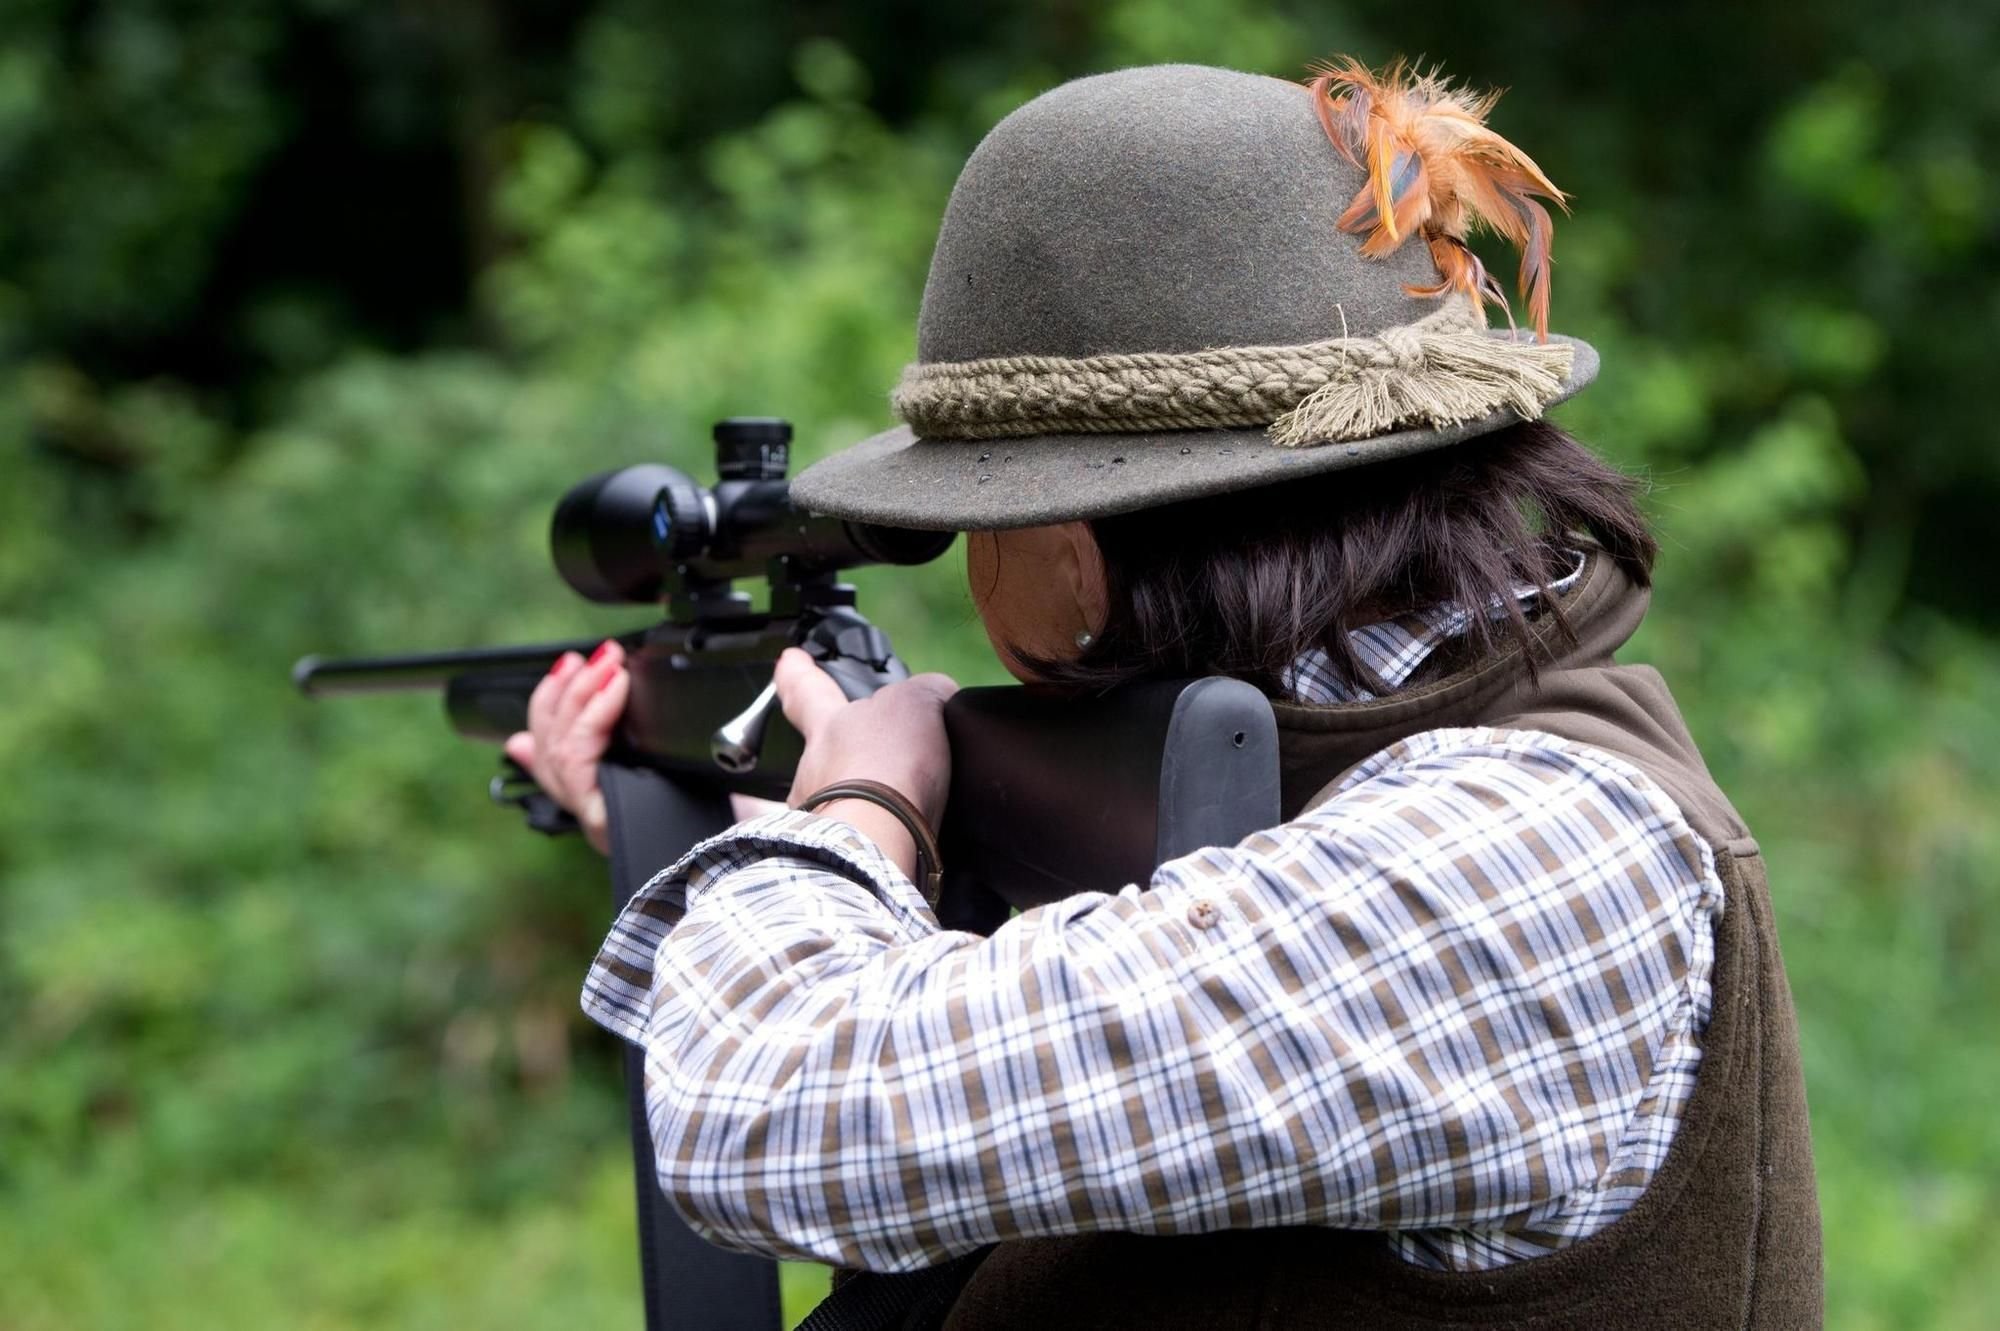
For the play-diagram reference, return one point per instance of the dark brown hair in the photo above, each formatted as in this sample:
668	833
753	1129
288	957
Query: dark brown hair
1243	584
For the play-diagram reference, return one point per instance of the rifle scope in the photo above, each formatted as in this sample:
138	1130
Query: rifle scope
640	533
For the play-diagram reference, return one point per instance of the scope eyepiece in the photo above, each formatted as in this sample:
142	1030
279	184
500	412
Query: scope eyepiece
897	545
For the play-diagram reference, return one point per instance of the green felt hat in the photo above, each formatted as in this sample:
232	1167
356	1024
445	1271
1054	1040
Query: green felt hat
1151	285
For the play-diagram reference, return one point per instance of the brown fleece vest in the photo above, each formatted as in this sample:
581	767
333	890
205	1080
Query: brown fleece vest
1727	1235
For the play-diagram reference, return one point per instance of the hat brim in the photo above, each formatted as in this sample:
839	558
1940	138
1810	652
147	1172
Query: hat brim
899	480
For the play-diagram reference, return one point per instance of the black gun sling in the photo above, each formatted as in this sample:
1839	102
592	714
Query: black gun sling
689	1282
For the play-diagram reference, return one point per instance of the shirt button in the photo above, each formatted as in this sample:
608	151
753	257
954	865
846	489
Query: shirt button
1203	915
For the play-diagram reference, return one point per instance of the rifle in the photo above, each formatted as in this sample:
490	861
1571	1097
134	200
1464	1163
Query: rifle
1111	787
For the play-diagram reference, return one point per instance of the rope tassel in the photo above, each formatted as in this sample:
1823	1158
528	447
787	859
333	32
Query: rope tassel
1418	376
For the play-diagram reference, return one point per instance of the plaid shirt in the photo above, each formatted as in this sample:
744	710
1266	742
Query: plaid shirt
1459	1002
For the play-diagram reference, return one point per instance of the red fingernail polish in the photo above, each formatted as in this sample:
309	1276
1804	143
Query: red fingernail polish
609	680
602	648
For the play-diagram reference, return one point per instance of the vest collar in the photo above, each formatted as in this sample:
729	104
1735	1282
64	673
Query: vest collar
1319	742
1395	649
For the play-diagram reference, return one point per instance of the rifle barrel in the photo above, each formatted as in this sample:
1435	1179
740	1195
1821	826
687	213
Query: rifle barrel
320	678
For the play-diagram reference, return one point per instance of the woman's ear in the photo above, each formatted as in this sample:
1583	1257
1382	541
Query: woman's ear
1036	589
1085	568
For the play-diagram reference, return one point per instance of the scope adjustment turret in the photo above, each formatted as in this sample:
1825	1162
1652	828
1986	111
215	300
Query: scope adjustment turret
753	448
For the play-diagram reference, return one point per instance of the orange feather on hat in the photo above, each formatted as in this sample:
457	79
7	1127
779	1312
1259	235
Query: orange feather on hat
1435	169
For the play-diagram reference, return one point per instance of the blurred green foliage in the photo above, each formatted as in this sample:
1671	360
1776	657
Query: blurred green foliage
309	309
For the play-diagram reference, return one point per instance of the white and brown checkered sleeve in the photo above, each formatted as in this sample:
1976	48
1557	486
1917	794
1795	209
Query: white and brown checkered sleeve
1460	1001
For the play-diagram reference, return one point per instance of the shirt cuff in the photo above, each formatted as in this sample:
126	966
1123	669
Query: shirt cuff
617	993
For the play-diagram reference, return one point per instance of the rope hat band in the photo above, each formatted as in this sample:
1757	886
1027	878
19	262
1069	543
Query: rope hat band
1440	370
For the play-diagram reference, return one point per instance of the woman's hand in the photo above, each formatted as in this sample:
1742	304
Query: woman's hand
895	737
571	715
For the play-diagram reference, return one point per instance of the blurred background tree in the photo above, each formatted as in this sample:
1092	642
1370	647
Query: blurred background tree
309	309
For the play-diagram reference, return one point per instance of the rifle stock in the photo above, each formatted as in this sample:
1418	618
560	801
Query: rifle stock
1050	794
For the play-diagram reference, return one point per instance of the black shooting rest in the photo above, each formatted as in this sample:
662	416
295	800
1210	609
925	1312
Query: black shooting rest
1112	787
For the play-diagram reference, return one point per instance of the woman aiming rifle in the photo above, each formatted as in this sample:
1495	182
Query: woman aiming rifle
1492	1031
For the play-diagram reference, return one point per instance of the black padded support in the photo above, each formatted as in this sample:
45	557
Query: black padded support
1053	795
689	1283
